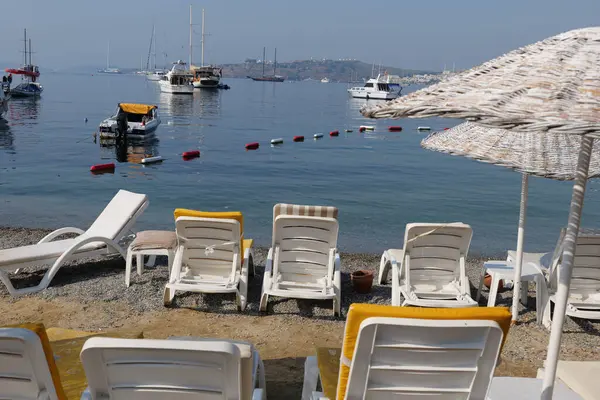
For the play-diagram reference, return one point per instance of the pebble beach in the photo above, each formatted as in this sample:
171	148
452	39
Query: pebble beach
90	295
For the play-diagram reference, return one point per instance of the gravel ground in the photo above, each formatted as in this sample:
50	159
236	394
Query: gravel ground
88	283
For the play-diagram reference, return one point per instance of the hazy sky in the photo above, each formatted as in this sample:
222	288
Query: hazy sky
416	34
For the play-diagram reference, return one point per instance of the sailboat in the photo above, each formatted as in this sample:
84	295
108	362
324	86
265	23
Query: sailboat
156	74
205	76
29	73
108	69
268	78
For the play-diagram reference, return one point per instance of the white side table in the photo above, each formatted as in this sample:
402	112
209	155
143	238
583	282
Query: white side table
499	270
150	243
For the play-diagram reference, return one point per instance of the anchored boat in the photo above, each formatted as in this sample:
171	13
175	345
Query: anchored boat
178	80
384	87
29	74
142	121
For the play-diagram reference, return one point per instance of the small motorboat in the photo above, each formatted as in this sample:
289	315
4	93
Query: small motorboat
27	89
142	121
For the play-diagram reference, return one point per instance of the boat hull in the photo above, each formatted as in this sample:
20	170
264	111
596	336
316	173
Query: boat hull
167	87
27	90
267	78
207	83
135	130
372	95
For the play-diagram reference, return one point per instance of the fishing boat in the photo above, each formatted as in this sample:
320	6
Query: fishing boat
178	80
268	78
142	121
205	76
384	87
109	69
29	74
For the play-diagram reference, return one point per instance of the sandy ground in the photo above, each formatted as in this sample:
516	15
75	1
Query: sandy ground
91	295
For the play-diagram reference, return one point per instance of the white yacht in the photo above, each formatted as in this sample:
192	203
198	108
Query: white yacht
178	80
384	87
325	80
142	121
156	75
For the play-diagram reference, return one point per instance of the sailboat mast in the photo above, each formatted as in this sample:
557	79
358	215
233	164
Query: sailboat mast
108	56
275	62
149	51
30	63
264	55
25	42
203	37
191	51
154	44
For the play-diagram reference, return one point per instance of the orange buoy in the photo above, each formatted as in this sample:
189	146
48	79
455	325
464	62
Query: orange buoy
334	133
102	167
395	129
298	138
252	146
191	154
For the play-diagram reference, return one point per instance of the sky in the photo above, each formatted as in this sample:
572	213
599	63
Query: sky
425	34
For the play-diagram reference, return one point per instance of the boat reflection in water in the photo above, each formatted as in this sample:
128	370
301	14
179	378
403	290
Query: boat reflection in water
207	103
7	140
129	150
23	111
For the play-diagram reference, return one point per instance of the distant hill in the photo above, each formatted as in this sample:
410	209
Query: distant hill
341	71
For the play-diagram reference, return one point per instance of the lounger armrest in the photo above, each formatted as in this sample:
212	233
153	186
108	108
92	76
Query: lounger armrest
59	232
269	262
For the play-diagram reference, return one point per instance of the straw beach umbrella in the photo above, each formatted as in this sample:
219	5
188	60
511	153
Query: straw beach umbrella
548	156
552	86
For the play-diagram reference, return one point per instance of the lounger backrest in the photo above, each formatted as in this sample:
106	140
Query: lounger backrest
586	266
24	371
419	358
119	215
435	251
210	244
304	247
136	369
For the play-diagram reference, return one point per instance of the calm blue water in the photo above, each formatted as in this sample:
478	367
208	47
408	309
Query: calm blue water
379	180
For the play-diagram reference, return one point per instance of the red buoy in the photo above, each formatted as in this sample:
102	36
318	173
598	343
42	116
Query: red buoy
298	138
334	133
446	129
191	154
395	129
362	129
252	146
102	167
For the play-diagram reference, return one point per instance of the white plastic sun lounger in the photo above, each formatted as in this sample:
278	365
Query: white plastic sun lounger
414	358
24	370
303	261
431	269
136	369
102	238
208	259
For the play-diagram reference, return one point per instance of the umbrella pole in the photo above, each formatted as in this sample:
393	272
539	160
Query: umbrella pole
520	238
566	266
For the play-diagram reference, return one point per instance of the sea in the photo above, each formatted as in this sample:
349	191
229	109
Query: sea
379	180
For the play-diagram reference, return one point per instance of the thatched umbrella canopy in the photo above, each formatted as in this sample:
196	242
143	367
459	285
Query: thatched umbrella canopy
552	86
548	156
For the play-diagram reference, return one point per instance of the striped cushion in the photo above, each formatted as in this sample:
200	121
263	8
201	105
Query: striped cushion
308	211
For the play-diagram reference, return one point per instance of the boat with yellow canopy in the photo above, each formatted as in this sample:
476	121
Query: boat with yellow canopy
142	121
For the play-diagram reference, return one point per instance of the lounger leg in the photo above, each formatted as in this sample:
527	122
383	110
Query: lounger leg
151	261
128	265
384	268
140	263
493	290
481	278
170	256
539	307
168	296
311	377
262	382
242	293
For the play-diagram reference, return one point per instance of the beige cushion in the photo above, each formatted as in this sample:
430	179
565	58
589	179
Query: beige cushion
146	240
581	376
247	360
306	211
